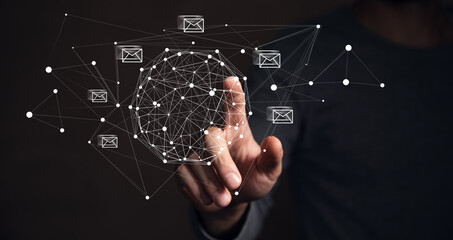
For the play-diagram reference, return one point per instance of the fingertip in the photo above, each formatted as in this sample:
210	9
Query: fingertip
272	145
222	198
232	180
271	157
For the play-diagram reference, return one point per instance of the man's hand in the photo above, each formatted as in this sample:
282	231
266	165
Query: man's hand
236	155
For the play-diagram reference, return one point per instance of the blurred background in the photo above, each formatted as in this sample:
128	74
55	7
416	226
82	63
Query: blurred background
55	186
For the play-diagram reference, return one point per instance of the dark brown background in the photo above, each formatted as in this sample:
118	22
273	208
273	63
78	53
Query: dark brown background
55	186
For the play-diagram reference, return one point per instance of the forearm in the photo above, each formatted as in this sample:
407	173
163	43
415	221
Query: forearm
225	224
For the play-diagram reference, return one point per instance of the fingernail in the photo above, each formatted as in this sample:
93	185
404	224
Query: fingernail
223	199
232	180
205	199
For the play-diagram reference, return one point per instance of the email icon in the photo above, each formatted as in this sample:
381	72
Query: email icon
191	23
97	95
269	58
280	114
131	54
108	141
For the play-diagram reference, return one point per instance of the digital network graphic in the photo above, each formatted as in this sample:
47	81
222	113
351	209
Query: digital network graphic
177	92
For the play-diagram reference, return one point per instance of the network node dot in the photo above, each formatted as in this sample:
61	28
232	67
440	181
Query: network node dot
130	107
166	49
62	130
242	51
93	63
179	54
209	56
256	49
65	14
346	82
193	42
164	129
211	93
310	83
191	85
142	69
236	79
115	43
48	69
182	97
264	150
318	26
348	47
173	68
206	132
89	142
29	114
208	163
273	87
118	83
250	113
102	119
236	193
135	136
222	64
323	100
241	136
55	91
382	85
147	197
164	161
226	24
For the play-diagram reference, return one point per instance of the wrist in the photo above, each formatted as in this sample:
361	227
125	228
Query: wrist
225	223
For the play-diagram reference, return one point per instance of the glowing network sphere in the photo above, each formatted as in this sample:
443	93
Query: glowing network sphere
179	95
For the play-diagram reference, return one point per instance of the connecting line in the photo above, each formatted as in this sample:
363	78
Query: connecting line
66	117
110	24
58	35
73	66
43	102
59	111
122	173
285	37
74	93
48	124
347	61
365	66
133	152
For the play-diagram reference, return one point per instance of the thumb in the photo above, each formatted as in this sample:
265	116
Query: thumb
270	160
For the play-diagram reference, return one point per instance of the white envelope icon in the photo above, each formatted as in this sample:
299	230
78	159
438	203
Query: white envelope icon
108	141
193	25
269	59
282	116
97	95
131	55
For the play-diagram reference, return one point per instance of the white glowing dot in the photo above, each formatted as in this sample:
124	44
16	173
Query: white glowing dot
191	85
29	114
208	163
348	47
245	78
165	59
206	132
236	79
115	43
241	136
117	105
164	129
164	161
55	91
93	63
118	83
65	14
182	97
137	108
310	83
217	51
166	49
346	82
236	193
264	150
318	26
211	93
171	142
222	64
209	56
191	52
164	153
173	68
48	69
62	130
102	119
323	100
140	87
226	24
147	197
154	103
179	54
154	66
273	87
256	49
250	113
229	142
242	51
382	85
89	142
130	107
193	42
135	136
142	69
